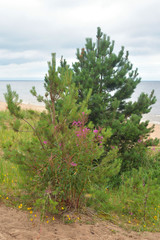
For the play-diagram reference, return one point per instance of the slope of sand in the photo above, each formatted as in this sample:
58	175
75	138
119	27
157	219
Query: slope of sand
156	133
16	224
3	107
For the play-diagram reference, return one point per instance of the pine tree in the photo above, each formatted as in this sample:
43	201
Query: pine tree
113	81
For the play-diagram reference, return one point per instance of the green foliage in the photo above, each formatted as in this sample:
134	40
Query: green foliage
62	153
134	201
60	159
46	204
110	167
127	198
113	80
16	125
13	102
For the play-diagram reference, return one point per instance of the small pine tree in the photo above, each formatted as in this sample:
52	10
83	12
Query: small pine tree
13	102
113	81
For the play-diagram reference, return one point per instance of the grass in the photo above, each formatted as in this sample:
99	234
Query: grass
135	204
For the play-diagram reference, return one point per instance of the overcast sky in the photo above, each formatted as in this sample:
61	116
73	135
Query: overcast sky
30	30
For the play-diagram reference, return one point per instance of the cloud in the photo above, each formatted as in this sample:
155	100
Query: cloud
30	30
8	57
25	71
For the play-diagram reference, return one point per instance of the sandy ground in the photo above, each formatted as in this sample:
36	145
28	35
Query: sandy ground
15	224
3	107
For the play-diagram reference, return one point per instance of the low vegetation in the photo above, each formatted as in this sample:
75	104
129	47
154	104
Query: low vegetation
60	160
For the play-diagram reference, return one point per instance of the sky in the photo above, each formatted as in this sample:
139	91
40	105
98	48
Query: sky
30	30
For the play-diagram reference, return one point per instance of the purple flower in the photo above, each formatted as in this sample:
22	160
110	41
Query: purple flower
112	147
45	142
95	131
74	123
73	164
100	137
60	144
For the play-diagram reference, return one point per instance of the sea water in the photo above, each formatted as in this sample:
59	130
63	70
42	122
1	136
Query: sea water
23	89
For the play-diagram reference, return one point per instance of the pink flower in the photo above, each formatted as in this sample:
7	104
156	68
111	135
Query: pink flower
45	142
60	144
74	123
95	131
112	147
82	113
73	164
100	137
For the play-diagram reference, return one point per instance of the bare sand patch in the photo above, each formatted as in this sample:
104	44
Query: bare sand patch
16	224
3	107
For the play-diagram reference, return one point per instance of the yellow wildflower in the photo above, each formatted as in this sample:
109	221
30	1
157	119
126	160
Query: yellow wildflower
155	217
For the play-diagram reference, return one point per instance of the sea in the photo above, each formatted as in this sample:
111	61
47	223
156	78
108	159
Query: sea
23	89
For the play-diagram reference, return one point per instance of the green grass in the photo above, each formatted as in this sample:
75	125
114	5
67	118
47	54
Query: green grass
134	204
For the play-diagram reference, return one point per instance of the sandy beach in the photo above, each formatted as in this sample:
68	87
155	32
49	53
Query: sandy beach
3	107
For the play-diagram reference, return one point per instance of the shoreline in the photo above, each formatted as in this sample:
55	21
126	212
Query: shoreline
3	107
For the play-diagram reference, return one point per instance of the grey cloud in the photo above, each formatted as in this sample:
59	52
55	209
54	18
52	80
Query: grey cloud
61	26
